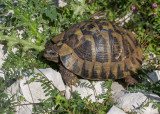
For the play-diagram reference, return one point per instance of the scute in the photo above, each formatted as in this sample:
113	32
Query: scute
84	50
98	50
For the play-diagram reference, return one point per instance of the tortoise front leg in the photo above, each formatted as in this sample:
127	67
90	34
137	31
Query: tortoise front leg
68	77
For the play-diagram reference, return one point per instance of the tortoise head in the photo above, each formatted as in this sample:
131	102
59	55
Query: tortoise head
51	51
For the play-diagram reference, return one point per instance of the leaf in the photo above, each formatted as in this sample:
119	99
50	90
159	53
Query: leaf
50	12
61	100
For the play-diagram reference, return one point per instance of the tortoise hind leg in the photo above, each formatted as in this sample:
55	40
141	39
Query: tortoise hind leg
68	77
130	80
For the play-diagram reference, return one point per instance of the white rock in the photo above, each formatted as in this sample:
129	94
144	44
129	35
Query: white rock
99	87
154	76
142	109
10	12
123	20
115	110
14	89
1	74
62	3
116	88
85	91
3	51
3	54
25	109
133	101
40	29
34	91
20	33
147	110
130	101
53	76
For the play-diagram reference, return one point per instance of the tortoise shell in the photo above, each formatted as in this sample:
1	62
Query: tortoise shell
99	50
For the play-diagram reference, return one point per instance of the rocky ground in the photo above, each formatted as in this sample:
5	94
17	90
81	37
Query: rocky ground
125	101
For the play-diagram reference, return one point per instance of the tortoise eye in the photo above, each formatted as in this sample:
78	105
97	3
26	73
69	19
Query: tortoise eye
53	53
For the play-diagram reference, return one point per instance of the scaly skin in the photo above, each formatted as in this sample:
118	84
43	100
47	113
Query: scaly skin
68	77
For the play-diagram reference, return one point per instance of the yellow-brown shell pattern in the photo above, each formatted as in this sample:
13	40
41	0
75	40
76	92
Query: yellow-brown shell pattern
99	50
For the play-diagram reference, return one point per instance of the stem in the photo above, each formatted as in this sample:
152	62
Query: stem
26	20
23	42
44	75
40	104
6	27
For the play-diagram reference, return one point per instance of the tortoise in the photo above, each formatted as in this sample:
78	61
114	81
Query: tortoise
96	49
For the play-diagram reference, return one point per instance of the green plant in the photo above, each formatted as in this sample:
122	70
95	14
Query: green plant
28	16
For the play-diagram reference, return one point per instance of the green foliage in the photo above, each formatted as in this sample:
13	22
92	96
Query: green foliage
146	25
50	12
71	14
156	23
85	84
28	16
157	105
21	63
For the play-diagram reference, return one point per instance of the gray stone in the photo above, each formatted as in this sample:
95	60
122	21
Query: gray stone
154	76
33	91
3	53
90	93
125	19
115	110
54	77
59	3
116	87
62	3
133	101
24	109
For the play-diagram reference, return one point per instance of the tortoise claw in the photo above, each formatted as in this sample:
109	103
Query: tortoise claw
130	81
72	81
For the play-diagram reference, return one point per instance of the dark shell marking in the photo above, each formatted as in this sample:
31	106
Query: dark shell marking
98	50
